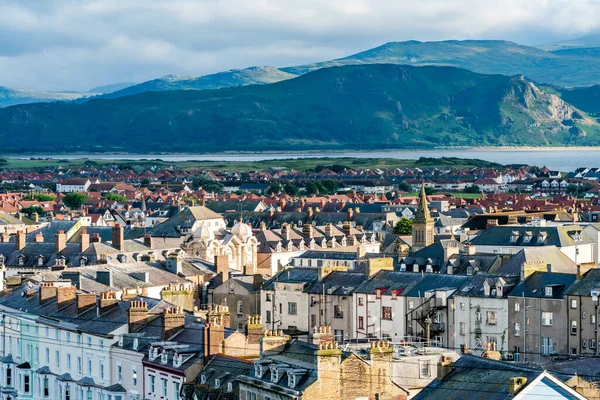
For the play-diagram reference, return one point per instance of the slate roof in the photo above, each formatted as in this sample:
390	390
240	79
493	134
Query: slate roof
534	285
388	280
549	255
292	275
183	218
338	283
430	282
480	263
225	368
49	231
477	378
585	285
558	236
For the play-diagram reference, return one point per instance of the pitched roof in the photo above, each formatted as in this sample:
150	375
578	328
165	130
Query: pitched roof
477	378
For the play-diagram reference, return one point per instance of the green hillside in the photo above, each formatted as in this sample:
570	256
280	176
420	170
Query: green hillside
582	42
233	78
482	56
368	106
9	97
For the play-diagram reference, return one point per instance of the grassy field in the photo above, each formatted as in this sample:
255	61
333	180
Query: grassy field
300	164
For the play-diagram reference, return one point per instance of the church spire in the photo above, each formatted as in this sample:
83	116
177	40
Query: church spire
423	213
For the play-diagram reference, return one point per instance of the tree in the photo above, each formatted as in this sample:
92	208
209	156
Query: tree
429	191
331	187
472	189
33	209
75	200
274	188
291	189
145	182
403	226
115	197
207	184
42	197
404	186
311	188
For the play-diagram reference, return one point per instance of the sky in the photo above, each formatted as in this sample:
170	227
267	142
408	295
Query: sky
79	44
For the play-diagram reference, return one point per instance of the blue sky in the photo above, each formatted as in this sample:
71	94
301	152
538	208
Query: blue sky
79	44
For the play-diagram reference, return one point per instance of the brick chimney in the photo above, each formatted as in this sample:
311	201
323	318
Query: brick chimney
148	242
222	267
173	321
118	239
285	231
283	203
85	302
273	342
108	301
39	238
329	229
308	231
137	314
350	214
96	238
444	367
21	239
254	329
84	241
60	241
214	335
48	292
323	335
309	214
5	237
356	210
66	296
347	228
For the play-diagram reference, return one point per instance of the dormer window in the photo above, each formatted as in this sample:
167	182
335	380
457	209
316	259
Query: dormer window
291	380
229	387
153	353
428	268
121	341
527	237
548	290
402	267
40	261
135	343
541	238
82	261
301	246
163	357
274	375
178	360
278	248
499	291
203	379
217	383
1	259
470	270
21	259
514	236
258	372
289	246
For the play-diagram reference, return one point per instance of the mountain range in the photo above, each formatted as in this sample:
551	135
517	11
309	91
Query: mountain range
564	64
353	106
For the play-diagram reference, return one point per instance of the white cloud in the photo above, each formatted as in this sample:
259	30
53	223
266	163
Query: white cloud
70	44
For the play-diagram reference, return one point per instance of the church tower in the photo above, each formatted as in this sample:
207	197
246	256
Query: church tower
422	229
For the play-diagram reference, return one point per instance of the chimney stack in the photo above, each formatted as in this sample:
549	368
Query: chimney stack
85	302
65	296
148	241
273	342
21	239
350	214
39	237
309	214
285	231
254	329
85	241
48	292
137	315
173	322
96	238
108	301
118	240
61	241
308	231
222	267
329	229
214	334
